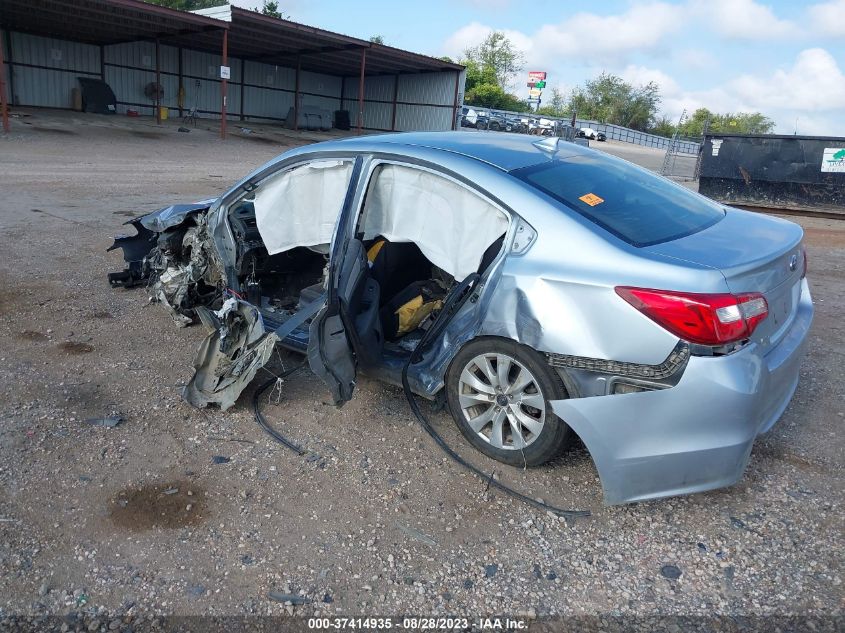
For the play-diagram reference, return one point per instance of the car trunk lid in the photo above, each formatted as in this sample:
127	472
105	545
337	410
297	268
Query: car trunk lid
755	253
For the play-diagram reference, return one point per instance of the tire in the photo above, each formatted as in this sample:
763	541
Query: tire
475	398
495	127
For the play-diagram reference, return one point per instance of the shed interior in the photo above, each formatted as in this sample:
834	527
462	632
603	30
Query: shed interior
278	70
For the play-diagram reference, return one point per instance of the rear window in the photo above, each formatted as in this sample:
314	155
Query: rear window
632	203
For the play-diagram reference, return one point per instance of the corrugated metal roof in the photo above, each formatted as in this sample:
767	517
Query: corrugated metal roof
252	35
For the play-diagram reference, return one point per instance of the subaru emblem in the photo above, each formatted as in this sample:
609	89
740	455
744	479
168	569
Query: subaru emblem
793	262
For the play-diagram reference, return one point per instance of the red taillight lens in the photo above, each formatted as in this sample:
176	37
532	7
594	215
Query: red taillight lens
708	319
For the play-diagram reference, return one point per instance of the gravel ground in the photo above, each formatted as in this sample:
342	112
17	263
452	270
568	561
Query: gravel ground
183	512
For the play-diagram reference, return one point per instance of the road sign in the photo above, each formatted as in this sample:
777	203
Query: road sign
534	92
532	84
540	84
537	75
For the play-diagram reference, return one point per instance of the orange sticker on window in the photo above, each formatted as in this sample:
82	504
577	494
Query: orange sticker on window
591	199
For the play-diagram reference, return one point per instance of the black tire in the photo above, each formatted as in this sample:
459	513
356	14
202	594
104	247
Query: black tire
495	127
554	435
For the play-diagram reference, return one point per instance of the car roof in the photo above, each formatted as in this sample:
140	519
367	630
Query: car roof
502	150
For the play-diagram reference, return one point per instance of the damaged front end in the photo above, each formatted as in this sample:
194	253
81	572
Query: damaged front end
227	360
174	257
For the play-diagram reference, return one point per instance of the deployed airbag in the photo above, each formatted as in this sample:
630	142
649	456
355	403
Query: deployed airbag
451	225
300	206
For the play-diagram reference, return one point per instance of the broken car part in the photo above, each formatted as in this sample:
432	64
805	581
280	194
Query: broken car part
641	296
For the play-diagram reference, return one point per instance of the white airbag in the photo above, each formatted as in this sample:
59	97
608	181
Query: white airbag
452	225
300	206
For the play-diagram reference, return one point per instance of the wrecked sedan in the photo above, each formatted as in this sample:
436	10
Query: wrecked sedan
586	296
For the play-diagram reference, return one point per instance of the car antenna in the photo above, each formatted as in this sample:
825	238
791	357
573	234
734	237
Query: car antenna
548	144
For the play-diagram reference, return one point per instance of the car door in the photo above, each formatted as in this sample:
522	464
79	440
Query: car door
332	353
239	344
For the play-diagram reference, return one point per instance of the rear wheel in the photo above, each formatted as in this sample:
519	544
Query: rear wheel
499	392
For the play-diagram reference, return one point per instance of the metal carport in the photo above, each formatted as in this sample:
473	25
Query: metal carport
386	82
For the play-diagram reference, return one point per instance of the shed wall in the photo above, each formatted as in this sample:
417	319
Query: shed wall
43	72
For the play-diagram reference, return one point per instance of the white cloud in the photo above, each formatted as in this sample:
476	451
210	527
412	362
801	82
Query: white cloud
814	83
696	59
640	76
741	19
474	33
601	39
811	90
828	18
583	37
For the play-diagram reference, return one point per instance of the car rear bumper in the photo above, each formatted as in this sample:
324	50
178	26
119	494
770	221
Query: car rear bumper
697	435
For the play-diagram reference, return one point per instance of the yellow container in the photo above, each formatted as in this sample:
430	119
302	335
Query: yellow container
163	112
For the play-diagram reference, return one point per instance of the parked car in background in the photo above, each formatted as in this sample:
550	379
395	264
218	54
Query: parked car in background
488	120
589	133
542	127
516	124
469	117
562	290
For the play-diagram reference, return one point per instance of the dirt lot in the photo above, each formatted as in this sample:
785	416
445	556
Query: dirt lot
140	518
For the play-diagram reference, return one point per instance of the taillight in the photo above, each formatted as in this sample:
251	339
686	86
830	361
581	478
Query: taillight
708	319
804	265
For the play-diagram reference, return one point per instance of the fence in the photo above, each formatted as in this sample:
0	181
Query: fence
619	133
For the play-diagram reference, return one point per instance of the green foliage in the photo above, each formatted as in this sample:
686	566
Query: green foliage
728	123
188	5
492	96
610	99
497	58
555	105
490	67
663	126
377	39
271	8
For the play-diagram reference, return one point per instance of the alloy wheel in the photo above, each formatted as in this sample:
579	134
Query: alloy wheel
501	401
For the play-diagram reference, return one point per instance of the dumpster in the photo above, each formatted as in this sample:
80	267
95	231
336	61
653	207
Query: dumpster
775	171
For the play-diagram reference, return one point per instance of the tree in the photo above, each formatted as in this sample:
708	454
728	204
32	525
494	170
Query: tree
493	96
490	66
496	58
610	99
663	127
271	8
728	123
555	106
188	5
377	39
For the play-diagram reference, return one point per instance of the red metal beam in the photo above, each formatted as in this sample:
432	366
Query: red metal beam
4	106
455	102
224	84
361	90
395	97
296	96
158	82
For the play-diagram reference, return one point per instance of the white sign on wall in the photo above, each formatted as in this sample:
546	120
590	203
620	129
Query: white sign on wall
225	72
833	159
715	145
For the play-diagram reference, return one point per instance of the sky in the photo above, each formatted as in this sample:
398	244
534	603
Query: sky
784	58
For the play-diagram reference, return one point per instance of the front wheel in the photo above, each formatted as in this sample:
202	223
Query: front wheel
499	393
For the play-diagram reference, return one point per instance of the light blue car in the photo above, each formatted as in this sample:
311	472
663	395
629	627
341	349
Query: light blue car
564	292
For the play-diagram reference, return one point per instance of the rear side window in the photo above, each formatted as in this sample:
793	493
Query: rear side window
632	203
